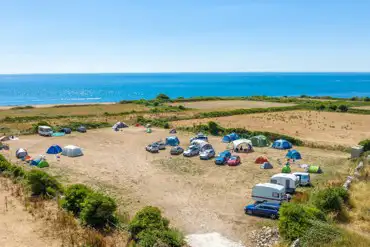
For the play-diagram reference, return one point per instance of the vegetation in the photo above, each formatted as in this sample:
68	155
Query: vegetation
365	144
22	107
330	200
42	184
74	198
149	228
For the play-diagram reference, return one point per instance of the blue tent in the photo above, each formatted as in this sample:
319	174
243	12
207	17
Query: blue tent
282	144
35	162
172	141
293	154
230	137
55	149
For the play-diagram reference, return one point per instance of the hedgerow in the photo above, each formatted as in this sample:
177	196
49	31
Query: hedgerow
42	184
74	198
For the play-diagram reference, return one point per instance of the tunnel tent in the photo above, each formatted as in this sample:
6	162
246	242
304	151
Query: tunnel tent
259	141
55	149
230	137
281	144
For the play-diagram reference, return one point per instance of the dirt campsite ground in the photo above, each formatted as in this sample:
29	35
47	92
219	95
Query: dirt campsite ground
197	196
229	104
18	227
321	127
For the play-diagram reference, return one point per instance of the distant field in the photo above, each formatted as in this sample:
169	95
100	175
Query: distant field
72	110
321	127
229	104
366	107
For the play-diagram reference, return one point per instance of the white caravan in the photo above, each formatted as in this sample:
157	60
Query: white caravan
267	192
303	178
289	181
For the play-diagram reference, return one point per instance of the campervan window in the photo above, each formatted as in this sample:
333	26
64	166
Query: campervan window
275	194
274	181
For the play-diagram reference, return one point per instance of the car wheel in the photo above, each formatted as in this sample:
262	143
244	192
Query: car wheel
249	212
273	216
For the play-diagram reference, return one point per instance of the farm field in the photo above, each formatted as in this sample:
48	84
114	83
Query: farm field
365	107
197	196
314	126
229	104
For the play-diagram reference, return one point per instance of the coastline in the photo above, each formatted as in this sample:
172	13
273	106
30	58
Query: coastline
8	107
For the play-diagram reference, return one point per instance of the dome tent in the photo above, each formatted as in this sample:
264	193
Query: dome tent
55	149
241	145
119	125
72	151
266	165
261	160
21	153
230	137
82	129
293	154
286	169
281	144
259	141
172	141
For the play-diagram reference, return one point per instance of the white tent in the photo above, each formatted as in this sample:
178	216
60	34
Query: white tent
241	145
203	145
21	153
72	151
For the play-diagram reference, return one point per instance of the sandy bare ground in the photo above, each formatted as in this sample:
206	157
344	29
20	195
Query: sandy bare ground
197	196
321	127
17	227
230	104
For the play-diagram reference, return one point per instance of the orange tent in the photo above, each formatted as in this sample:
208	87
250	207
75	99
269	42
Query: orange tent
261	160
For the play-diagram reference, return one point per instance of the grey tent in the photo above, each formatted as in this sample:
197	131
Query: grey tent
66	130
119	125
266	165
21	153
82	129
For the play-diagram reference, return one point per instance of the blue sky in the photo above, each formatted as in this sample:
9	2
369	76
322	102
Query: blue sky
73	36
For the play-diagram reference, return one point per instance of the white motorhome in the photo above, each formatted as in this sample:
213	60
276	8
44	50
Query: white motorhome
203	145
289	181
303	178
45	131
268	192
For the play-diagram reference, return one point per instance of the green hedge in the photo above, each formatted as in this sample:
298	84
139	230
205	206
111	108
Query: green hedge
74	198
42	184
365	144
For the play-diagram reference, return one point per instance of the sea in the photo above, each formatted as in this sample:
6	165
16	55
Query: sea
96	88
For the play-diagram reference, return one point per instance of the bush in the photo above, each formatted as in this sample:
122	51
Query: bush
214	128
4	164
75	195
343	108
98	210
295	219
365	144
148	227
42	184
333	107
330	199
17	171
319	234
162	97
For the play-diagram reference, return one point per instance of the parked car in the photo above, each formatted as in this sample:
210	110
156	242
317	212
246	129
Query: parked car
207	154
303	178
176	150
45	131
200	136
234	160
222	157
263	209
161	145
153	148
191	151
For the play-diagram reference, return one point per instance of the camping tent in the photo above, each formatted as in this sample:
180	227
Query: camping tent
55	149
82	129
4	138
148	130
241	145
282	144
293	154
259	141
173	131
286	169
72	151
172	141
66	130
21	153
266	165
119	125
314	169
261	160
230	137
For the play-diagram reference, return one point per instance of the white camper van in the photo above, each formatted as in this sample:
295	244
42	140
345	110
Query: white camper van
267	192
303	178
289	181
45	131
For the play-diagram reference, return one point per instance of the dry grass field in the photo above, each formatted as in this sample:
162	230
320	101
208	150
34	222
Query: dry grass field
196	195
365	107
313	126
229	104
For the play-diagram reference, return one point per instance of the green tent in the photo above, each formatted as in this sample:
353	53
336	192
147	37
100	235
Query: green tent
148	130
259	141
43	164
286	169
314	169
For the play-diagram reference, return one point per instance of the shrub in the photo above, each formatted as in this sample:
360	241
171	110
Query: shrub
17	171
148	227
333	107
330	199
365	144
343	108
162	97
295	219
166	125
42	184
214	128
319	234
4	164
75	195
181	107
98	210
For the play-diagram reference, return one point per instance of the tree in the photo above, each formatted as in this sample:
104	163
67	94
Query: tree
343	108
162	97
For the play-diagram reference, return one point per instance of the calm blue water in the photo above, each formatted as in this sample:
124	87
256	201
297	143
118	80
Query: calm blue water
87	88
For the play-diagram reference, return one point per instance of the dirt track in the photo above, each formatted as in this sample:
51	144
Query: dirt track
197	196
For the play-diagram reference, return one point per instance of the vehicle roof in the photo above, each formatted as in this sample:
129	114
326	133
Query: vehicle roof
270	204
44	126
285	175
301	173
269	185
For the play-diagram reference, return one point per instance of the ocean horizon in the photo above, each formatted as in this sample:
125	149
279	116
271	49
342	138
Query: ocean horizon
40	89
